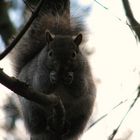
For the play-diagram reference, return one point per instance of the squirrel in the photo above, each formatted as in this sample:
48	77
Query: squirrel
49	59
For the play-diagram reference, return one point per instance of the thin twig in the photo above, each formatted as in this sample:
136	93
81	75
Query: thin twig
101	5
28	5
19	36
106	114
107	9
111	137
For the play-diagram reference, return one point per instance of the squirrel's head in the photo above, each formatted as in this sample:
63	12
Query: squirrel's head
63	53
62	47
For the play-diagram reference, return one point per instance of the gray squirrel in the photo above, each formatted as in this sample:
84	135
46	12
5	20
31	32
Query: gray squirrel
49	59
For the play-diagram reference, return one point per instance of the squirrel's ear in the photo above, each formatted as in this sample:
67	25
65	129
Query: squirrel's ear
78	39
49	36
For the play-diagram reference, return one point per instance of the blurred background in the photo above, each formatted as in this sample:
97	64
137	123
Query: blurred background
114	59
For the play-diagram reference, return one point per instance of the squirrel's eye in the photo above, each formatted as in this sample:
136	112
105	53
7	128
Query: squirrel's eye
50	53
73	55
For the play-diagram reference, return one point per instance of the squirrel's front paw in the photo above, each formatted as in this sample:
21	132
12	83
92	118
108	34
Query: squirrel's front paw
68	78
53	77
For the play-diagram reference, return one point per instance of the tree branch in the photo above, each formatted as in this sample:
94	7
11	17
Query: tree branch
19	36
129	13
134	24
26	91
